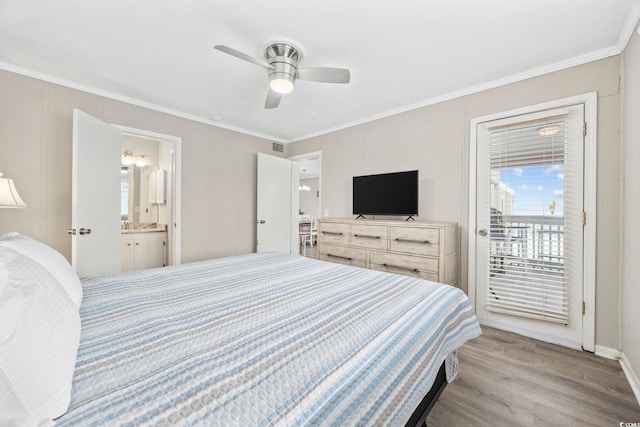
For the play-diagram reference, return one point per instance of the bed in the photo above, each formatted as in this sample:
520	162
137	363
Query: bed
262	339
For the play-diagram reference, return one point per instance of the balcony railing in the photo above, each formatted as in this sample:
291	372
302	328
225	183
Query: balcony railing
535	237
526	270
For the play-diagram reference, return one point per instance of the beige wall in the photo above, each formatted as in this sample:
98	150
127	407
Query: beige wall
218	167
630	298
435	140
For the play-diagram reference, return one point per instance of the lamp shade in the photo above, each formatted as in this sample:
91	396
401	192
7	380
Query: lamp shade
9	197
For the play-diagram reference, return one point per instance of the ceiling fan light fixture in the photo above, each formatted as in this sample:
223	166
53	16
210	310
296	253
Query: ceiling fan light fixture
281	62
281	84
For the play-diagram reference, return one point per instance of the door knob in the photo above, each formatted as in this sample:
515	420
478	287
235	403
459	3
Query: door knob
84	231
71	231
262	221
482	232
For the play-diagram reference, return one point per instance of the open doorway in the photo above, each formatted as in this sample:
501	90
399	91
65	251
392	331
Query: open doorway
101	185
309	201
153	201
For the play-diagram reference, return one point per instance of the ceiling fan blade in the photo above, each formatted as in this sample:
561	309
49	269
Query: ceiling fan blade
243	56
273	100
324	74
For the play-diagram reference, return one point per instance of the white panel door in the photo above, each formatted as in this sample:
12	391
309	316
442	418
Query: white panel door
95	195
529	205
273	228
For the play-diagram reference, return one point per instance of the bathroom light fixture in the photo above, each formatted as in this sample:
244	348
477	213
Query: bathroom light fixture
304	187
9	197
128	158
140	162
548	130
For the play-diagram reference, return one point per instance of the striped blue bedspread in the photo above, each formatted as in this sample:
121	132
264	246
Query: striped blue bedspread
261	339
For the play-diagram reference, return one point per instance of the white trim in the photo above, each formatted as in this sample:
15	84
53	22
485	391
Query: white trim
608	352
628	27
558	66
305	156
632	377
176	212
294	205
472	228
531	334
313	155
590	184
133	101
535	72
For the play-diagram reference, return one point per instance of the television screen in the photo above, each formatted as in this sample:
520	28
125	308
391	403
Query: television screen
386	194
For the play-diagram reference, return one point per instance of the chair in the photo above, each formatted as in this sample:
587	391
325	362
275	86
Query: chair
304	219
313	231
304	238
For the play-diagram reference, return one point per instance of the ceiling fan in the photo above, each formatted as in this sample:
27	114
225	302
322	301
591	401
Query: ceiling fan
281	61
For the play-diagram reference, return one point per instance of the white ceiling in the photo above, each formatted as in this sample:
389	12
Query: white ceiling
402	55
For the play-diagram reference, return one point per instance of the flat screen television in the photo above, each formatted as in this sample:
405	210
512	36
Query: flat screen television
386	194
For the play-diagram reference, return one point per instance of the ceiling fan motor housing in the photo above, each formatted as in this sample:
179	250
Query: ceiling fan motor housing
284	58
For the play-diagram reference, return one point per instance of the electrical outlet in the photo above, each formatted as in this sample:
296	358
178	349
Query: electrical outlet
326	212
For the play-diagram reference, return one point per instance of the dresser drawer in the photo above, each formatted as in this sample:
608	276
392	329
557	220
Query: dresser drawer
368	236
415	240
332	232
426	268
342	255
426	275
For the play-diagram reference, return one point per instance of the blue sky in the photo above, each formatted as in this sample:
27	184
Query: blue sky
536	189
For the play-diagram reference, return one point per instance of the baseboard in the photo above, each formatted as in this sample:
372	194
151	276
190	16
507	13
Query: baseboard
608	352
634	382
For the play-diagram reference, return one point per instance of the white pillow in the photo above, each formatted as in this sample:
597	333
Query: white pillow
39	336
49	258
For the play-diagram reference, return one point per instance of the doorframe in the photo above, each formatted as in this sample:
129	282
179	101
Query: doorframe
590	101
176	179
294	185
309	156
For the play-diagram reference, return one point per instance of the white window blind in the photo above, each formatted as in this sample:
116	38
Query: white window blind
527	199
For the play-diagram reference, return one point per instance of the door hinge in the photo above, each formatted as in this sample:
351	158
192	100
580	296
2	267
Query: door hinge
584	129
584	218
584	308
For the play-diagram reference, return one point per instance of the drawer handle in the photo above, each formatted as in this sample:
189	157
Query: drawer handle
415	270
341	257
364	236
426	242
333	233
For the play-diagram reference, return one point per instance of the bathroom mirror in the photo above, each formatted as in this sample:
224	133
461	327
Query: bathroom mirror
142	191
126	192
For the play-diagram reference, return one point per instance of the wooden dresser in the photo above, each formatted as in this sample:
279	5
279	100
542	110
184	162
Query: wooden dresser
415	248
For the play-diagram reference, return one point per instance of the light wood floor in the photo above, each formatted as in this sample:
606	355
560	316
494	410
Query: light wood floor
310	251
505	379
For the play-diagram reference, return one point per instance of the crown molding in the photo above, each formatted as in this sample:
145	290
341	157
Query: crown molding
628	27
133	101
536	72
623	39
